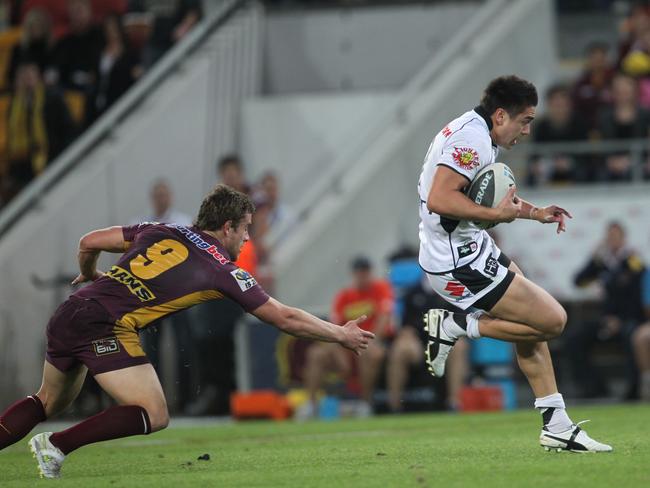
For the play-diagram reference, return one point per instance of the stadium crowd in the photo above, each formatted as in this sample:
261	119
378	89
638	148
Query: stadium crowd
65	62
608	101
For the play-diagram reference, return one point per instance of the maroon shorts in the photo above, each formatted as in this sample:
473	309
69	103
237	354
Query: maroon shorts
81	331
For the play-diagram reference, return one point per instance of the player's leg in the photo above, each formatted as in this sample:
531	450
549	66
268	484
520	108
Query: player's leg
57	391
534	359
141	409
323	358
370	363
405	351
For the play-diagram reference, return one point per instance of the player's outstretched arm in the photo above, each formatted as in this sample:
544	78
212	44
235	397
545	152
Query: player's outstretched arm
545	215
297	322
446	198
91	245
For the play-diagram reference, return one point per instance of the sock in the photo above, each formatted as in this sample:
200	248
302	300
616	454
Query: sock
554	416
472	325
112	423
19	419
455	325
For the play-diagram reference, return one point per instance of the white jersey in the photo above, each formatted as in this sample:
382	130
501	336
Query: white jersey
464	146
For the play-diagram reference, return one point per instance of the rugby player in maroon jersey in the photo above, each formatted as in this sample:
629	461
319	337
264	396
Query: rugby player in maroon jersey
164	268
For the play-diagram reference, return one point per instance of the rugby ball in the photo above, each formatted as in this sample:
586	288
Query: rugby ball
489	187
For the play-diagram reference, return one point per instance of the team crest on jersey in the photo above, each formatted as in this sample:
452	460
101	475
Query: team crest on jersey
465	157
244	279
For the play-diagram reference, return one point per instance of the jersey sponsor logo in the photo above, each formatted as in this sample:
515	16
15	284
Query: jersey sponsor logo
106	346
244	279
446	131
135	286
455	289
199	242
465	157
491	266
467	249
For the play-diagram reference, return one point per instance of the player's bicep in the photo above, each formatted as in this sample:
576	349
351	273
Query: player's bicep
110	239
444	180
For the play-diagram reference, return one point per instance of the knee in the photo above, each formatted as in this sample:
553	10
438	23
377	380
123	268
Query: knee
158	417
556	322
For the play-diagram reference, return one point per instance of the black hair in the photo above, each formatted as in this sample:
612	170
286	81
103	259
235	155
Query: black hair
511	93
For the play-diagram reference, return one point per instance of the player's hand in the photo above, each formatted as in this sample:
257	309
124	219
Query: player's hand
553	214
509	207
355	338
81	278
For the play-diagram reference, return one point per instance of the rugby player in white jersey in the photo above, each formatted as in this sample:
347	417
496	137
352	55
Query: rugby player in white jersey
467	269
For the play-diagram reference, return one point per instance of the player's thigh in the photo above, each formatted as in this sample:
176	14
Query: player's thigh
59	388
137	385
527	303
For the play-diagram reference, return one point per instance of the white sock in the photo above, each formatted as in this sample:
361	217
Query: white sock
472	325
553	410
453	325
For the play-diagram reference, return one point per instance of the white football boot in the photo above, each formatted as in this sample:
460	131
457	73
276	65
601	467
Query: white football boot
439	344
574	439
49	457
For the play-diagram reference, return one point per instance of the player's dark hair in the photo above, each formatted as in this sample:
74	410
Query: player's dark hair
511	93
221	205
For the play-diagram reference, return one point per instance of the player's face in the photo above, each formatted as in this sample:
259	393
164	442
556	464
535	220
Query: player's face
509	130
237	236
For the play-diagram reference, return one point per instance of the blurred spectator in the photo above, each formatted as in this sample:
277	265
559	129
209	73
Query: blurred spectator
118	68
36	43
78	53
39	127
623	120
641	341
278	214
173	19
162	211
632	29
368	296
230	171
559	124
407	350
591	91
618	270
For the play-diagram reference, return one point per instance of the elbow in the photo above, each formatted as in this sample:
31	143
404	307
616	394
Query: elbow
86	242
433	206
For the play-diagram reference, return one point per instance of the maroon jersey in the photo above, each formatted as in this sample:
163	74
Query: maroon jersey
167	268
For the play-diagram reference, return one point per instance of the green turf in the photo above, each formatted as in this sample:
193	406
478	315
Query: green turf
430	450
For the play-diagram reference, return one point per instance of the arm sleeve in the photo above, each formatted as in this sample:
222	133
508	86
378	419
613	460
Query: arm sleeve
240	286
131	231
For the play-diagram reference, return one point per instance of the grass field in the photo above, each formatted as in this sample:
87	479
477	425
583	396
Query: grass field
429	450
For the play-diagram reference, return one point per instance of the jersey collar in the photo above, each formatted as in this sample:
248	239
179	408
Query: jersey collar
484	115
